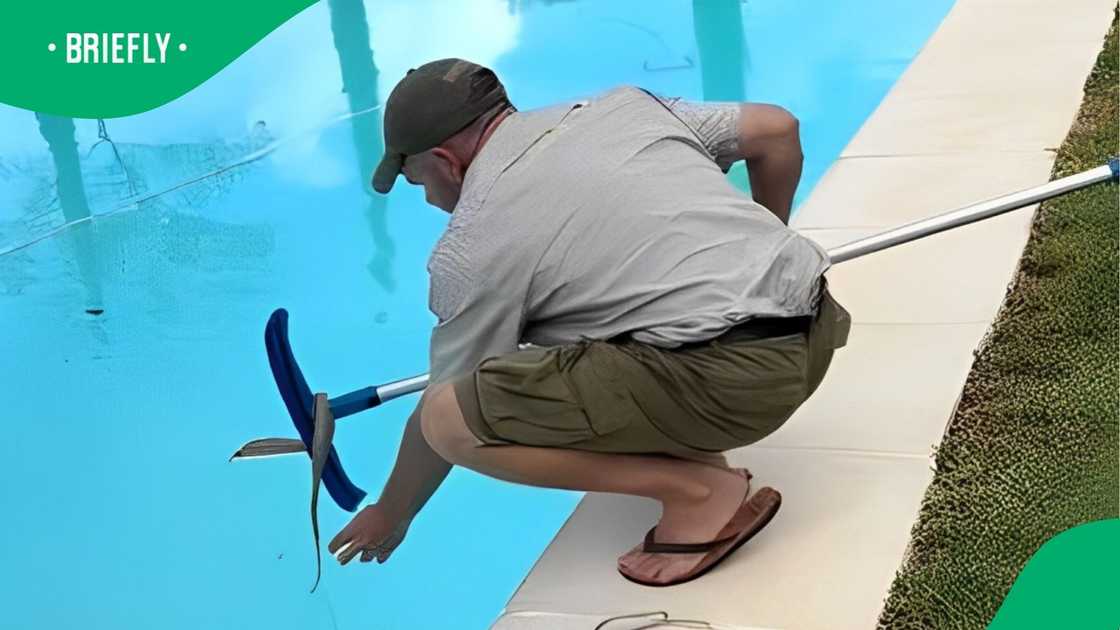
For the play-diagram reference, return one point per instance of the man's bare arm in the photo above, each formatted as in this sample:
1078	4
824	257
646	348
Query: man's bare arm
770	142
419	471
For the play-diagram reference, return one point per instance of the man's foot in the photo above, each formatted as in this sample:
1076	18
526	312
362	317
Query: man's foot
688	523
748	520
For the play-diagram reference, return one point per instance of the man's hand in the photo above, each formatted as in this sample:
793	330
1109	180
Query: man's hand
377	530
374	532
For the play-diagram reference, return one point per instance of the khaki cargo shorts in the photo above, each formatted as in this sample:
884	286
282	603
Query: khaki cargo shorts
630	397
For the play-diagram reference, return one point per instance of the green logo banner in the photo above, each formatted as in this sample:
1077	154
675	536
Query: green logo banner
106	59
1072	581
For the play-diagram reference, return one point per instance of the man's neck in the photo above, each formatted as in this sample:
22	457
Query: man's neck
491	127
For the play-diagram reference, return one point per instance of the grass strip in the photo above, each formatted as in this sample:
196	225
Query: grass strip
1033	446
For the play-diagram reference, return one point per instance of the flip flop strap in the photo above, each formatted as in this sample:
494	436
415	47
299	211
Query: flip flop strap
649	546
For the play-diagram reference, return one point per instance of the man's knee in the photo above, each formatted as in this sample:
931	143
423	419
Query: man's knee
442	424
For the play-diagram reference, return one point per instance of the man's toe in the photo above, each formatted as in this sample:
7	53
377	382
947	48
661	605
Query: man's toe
652	565
630	558
634	563
624	562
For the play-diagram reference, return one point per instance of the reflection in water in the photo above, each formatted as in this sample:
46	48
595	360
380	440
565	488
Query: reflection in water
59	134
359	81
723	52
679	61
145	262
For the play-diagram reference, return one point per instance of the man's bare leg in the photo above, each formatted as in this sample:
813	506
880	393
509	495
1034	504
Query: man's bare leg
697	499
719	460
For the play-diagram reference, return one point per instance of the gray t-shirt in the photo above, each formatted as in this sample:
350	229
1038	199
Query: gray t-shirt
608	216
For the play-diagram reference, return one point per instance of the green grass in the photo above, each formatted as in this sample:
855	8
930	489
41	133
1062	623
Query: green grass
1033	448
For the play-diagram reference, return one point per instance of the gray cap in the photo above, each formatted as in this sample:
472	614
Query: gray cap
429	105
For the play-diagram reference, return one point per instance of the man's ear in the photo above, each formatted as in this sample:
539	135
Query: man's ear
447	159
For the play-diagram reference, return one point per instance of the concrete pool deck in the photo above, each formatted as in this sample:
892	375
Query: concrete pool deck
976	114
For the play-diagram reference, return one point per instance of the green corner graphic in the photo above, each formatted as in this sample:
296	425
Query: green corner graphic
1072	581
175	46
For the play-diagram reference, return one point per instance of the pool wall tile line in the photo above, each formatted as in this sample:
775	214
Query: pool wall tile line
976	115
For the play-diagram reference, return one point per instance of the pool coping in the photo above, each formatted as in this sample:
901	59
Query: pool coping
975	115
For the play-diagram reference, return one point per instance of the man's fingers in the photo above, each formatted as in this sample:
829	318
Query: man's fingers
367	553
347	552
389	546
338	541
346	547
353	549
345	557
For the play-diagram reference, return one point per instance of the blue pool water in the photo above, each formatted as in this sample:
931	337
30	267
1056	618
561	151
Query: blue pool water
119	509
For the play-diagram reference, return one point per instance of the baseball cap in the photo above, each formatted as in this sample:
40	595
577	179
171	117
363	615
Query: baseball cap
429	105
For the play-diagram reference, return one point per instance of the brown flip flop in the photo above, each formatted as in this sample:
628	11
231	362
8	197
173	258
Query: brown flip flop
754	514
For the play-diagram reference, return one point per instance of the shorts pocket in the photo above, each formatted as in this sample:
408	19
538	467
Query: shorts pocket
752	388
555	396
599	382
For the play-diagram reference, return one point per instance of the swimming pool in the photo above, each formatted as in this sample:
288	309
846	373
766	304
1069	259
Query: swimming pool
136	276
